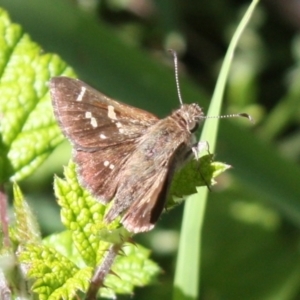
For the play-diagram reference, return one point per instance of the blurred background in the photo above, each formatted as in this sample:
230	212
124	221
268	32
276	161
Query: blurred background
251	230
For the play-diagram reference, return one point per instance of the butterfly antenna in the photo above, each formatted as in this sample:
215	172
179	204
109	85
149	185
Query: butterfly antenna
244	115
176	75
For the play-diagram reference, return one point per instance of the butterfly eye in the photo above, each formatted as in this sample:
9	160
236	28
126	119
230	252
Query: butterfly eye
193	126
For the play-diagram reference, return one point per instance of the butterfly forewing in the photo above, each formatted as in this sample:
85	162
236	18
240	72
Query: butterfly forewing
92	120
102	131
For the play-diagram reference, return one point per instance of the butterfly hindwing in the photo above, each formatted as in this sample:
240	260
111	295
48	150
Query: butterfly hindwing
144	213
98	171
142	189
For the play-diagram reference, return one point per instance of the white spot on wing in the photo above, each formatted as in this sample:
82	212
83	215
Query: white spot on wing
106	163
94	122
111	166
103	136
81	94
88	114
111	112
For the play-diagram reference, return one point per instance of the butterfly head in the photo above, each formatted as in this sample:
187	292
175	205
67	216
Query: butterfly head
189	116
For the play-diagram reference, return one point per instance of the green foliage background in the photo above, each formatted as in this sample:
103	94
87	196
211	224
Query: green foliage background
251	231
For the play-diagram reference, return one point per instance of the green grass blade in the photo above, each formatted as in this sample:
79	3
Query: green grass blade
186	285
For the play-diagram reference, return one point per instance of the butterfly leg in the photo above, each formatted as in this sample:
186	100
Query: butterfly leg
199	147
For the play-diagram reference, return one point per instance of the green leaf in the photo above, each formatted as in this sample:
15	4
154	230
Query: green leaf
83	216
26	229
55	276
28	130
62	242
132	268
195	174
142	270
